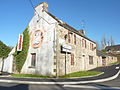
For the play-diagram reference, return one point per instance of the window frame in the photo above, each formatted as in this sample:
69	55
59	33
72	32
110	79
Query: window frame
91	61
33	59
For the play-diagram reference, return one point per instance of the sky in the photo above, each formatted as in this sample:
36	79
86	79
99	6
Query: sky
98	17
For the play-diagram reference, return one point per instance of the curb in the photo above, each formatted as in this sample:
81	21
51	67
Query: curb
52	83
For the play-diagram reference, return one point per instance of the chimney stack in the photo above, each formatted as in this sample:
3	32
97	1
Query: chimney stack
45	6
42	7
82	31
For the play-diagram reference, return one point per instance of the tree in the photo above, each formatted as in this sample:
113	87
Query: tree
107	41
103	42
98	47
4	51
112	42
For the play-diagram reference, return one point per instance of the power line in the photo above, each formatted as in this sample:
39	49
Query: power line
38	13
31	4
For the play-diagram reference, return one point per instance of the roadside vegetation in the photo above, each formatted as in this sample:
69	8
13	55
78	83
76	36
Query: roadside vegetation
71	75
20	57
29	75
81	74
115	63
4	50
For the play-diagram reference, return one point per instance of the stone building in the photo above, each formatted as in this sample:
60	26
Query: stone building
55	47
115	49
105	59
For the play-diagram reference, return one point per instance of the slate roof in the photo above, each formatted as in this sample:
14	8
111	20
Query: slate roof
113	48
104	54
100	53
65	25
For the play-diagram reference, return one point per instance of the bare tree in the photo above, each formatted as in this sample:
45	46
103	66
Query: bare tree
98	47
112	42
103	42
107	42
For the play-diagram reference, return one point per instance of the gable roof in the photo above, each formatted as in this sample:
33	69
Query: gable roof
113	48
104	54
65	25
100	53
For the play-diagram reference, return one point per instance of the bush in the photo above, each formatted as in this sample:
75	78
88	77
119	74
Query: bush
21	56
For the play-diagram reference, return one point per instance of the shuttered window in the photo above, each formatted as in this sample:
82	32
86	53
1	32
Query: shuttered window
82	42
68	37
85	44
72	59
74	39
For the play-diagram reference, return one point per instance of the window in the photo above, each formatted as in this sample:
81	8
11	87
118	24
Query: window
91	46
72	59
74	39
90	60
33	59
84	44
69	36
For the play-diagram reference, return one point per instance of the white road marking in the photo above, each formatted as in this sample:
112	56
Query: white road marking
79	82
91	87
80	86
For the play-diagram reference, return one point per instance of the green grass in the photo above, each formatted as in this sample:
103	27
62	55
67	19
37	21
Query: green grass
81	74
114	63
76	74
29	75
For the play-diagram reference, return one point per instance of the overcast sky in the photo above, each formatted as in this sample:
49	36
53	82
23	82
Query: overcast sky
98	17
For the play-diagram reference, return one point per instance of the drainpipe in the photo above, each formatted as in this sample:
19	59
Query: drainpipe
65	62
57	50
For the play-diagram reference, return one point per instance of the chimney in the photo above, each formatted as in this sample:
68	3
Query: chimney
42	7
82	32
45	6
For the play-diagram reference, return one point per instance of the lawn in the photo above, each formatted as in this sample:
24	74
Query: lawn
76	74
115	63
29	75
81	74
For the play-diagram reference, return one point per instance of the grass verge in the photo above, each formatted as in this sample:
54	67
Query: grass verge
76	74
81	74
29	75
115	63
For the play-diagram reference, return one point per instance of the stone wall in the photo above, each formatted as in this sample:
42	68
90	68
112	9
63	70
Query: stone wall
81	54
110	60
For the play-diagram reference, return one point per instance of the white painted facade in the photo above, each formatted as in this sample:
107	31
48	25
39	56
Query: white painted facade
45	52
8	62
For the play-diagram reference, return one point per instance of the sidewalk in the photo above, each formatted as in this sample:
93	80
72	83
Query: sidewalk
110	72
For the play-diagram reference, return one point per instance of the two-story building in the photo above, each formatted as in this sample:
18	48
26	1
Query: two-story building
55	47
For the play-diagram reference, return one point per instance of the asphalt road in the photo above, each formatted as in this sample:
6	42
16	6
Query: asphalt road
109	85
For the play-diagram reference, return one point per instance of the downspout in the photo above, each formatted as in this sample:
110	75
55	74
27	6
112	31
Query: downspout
56	50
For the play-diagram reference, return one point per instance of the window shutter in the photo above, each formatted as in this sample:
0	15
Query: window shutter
72	59
74	39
